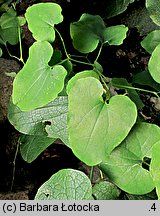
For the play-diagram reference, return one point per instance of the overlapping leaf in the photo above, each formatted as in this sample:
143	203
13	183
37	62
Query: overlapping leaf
154	64
41	19
67	184
9	27
50	120
105	191
95	127
155	167
153	7
32	146
124	165
37	83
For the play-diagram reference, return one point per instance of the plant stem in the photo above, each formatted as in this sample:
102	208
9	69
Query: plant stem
99	52
68	55
14	164
20	45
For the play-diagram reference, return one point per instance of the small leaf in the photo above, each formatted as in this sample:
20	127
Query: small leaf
124	165
144	78
155	163
150	42
9	27
37	83
87	32
115	35
67	184
21	20
105	191
154	64
154	10
50	120
95	126
41	19
122	83
32	146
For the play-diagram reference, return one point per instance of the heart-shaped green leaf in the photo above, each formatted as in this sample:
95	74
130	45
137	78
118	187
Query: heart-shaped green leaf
50	120
41	19
37	83
155	167
150	42
154	64
105	191
124	165
67	184
9	27
115	35
153	7
32	146
90	29
95	127
87	32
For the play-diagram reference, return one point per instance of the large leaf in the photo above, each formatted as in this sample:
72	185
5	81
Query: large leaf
95	127
41	19
153	7
50	120
9	27
124	165
115	7
155	167
32	146
105	191
154	64
150	42
37	83
67	184
90	30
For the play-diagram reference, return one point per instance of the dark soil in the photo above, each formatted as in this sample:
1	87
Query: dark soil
118	61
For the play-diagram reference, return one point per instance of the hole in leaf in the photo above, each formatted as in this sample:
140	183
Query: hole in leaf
47	123
146	162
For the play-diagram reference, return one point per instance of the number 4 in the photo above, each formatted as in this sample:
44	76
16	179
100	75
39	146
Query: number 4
153	207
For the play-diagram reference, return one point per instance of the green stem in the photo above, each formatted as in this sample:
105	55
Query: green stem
20	45
11	54
100	50
64	47
68	55
144	90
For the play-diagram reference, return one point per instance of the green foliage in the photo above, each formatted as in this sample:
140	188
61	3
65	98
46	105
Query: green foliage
32	146
115	7
41	19
155	167
9	27
38	77
50	100
124	165
90	29
50	120
154	10
154	64
1	52
151	41
105	191
87	131
67	184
